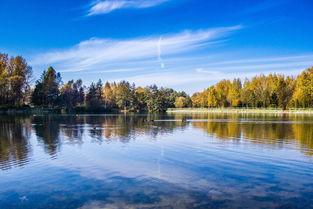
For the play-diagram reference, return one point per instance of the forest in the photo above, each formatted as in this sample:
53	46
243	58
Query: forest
271	91
262	91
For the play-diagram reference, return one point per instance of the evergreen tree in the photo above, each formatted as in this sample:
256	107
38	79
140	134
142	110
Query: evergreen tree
46	92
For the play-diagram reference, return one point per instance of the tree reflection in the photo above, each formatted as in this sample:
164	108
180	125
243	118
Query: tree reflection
47	129
124	128
261	129
54	130
304	135
14	141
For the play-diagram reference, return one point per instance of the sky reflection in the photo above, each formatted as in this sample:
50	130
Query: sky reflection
209	161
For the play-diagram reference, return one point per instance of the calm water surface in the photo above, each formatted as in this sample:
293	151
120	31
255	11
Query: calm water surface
120	161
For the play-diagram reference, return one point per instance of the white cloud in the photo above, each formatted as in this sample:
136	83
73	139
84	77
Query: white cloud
160	53
104	7
195	77
257	66
187	59
185	76
105	54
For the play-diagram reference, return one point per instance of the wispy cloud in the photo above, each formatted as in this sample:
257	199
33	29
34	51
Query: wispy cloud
104	7
160	53
256	66
102	54
197	79
185	73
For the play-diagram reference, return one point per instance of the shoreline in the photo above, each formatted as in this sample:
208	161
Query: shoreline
243	111
87	110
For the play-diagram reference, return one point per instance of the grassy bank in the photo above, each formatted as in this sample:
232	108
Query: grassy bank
241	110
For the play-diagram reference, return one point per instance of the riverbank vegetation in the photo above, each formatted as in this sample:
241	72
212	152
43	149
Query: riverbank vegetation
272	91
50	93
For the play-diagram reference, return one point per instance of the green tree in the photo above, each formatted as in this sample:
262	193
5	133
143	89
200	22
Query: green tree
91	97
81	92
155	100
124	96
51	84
38	96
71	94
46	92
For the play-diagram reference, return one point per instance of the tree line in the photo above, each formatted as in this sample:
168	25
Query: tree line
50	92
274	90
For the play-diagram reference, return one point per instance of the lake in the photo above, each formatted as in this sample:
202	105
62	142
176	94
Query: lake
175	161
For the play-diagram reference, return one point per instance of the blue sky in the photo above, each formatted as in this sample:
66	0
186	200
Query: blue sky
184	44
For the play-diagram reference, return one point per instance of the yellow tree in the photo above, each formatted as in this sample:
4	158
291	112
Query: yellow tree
141	96
262	91
248	97
4	75
222	91
212	97
19	77
303	95
180	102
108	96
196	99
234	96
285	89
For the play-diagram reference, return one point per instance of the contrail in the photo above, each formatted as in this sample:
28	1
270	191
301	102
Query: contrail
160	53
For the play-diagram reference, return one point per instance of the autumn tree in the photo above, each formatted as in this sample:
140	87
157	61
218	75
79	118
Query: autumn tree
212	97
141	95
180	102
15	77
272	90
222	91
19	77
234	94
261	88
303	96
4	79
108	96
248	97
196	99
285	91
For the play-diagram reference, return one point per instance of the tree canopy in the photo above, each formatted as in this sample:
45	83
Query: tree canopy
273	90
